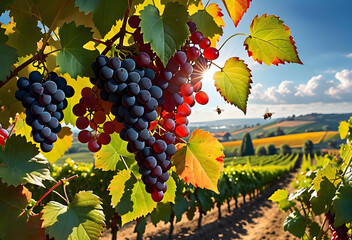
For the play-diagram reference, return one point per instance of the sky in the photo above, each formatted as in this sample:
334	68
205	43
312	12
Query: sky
322	30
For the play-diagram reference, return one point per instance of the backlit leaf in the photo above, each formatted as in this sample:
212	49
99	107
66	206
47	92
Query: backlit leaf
233	82
270	41
344	127
328	172
279	195
73	58
196	162
169	195
82	219
343	205
167	32
14	224
21	163
117	186
8	56
215	11
87	5
109	155
206	24
295	223
236	9
107	13
27	33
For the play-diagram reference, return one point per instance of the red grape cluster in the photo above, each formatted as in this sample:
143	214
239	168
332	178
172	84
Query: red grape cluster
4	134
338	233
44	101
92	112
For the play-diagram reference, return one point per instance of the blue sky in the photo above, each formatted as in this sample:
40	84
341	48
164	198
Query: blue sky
322	30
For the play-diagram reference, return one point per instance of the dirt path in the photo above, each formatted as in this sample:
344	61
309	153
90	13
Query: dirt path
256	219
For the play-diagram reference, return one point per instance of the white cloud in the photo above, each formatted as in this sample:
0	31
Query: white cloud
349	55
316	89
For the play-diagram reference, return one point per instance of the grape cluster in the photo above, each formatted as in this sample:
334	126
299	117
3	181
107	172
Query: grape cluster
92	113
338	233
4	134
44	102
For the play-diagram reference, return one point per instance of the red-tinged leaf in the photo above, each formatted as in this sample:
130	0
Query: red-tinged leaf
236	9
14	223
196	162
214	10
271	41
233	82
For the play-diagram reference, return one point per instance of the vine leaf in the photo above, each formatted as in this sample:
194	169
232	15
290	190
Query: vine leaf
165	33
83	218
9	104
8	56
78	85
233	82
107	12
279	195
206	24
4	4
196	162
161	213
181	205
86	6
14	224
328	172
109	155
343	205
73	58
295	223
344	128
236	9
21	163
117	186
170	194
27	33
270	41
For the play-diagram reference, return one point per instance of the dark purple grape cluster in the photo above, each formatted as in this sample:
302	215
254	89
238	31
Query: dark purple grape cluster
44	102
338	233
129	85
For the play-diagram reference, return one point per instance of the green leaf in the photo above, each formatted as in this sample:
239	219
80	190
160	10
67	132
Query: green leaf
206	24
169	195
8	56
183	2
233	82
314	229
140	228
165	33
21	163
14	224
204	198
73	58
180	207
196	162
299	193
343	205
87	6
318	205
344	127
295	223
109	155
117	186
161	213
27	33
4	4
270	41
82	219
286	205
279	195
107	13
142	203
328	172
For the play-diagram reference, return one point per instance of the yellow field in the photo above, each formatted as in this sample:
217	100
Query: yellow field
294	140
288	124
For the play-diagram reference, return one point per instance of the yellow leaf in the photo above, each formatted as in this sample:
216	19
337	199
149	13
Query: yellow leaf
117	186
214	10
196	162
236	9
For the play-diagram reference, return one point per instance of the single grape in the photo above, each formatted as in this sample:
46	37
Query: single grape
202	98
45	117
192	26
46	147
109	127
79	109
128	64
159	186
169	124
149	73
134	77
82	122
186	68
211	53
45	99
51	108
137	145
133	88
131	134
20	94
50	87
180	57
93	145
23	83
58	115
150	142
58	129
54	123
193	53
145	83
59	96
160	157
149	180
52	138
35	77
84	136
99	117
166	75
115	63
90	102
36	89
150	162
189	100
141	124
134	21
111	86
197	87
102	60
104	138
187	89
172	66
45	132
122	88
37	108
156	92
140	71
60	82
205	43
182	130
170	150
143	135
197	37
150	116
144	96
128	100
37	137
169	138
165	176
121	75
185	108
151	105
143	59
157	196
159	146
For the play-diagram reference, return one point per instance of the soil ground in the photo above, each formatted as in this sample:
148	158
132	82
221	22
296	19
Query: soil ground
257	219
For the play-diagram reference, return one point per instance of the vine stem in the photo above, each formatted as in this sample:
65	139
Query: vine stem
52	189
99	41
216	65
237	34
123	160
